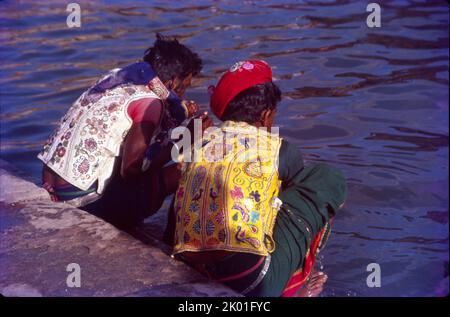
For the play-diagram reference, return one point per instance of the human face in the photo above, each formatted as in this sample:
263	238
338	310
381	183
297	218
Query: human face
180	86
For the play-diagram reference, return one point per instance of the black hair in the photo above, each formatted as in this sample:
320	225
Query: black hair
170	59
248	105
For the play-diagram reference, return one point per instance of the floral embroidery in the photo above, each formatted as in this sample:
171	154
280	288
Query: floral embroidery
222	235
253	169
113	107
244	214
236	193
243	237
213	207
90	144
196	227
92	97
248	66
248	204
254	216
94	116
232	201
83	168
130	90
60	151
212	193
254	242
198	195
158	88
97	126
198	179
194	207
240	234
255	195
236	66
220	218
239	66
210	228
84	102
49	141
218	177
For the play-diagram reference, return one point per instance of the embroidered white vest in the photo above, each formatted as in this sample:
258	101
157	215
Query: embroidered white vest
85	145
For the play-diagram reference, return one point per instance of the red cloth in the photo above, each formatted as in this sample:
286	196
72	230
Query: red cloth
145	110
299	278
238	78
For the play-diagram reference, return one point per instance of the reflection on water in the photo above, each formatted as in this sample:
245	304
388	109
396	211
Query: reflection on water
373	102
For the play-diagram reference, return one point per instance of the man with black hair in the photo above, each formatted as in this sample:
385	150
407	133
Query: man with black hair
174	63
249	214
108	153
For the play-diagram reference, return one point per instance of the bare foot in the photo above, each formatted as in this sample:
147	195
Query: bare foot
314	286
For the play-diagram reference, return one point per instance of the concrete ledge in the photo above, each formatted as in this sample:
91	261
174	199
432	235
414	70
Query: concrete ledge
40	238
16	186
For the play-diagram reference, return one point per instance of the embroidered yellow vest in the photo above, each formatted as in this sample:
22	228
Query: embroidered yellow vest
227	200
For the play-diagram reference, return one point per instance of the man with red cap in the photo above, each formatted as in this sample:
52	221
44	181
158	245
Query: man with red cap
256	218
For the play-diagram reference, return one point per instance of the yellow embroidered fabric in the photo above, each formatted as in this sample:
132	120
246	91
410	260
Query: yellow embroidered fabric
227	200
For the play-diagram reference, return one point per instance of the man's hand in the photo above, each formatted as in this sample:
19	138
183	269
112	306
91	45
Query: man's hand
191	106
206	123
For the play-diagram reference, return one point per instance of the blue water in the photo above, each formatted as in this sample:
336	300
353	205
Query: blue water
373	102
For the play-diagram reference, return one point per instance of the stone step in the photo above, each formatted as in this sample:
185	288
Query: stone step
40	238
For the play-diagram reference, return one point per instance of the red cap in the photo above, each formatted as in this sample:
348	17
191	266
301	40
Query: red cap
238	78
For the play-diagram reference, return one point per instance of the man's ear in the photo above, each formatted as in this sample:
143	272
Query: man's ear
265	117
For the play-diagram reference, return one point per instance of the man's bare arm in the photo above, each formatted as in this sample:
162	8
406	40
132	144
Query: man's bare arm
136	143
